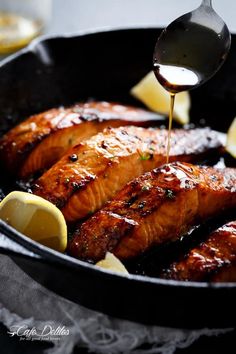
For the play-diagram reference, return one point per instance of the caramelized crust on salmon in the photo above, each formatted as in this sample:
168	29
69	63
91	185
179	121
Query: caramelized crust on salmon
159	206
214	259
41	140
92	172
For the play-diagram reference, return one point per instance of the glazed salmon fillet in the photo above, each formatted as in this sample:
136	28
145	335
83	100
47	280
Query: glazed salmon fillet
92	172
37	143
213	260
159	206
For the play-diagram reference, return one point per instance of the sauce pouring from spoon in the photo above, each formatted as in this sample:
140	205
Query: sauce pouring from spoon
190	51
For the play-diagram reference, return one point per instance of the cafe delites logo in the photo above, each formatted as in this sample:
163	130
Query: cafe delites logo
46	332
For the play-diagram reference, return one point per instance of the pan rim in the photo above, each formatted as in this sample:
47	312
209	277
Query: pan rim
70	35
32	46
38	250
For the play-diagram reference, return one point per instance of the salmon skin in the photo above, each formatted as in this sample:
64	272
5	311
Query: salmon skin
92	172
159	206
213	260
41	140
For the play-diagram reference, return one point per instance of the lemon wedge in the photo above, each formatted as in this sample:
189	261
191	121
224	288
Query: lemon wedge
111	262
36	218
231	139
156	98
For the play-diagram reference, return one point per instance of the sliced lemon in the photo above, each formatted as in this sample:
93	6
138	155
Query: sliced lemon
36	218
231	139
156	98
111	262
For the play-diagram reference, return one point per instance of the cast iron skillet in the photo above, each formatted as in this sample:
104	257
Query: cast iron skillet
63	70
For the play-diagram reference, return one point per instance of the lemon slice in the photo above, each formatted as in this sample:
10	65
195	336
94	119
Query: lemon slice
156	98
111	262
36	218
231	139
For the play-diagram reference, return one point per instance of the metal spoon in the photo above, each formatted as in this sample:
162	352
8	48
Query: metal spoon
191	49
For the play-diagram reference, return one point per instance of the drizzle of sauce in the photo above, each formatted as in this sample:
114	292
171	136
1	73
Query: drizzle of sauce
174	79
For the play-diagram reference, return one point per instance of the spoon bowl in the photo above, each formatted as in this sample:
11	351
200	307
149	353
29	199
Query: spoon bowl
193	46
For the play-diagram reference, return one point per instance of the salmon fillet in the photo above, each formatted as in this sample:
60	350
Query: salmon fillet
41	140
214	259
92	172
159	206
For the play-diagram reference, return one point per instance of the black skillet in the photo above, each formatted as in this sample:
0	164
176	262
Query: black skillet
63	70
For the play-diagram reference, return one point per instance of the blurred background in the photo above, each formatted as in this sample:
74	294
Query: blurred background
22	20
74	15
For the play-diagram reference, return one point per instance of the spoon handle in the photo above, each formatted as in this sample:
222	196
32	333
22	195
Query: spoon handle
207	3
